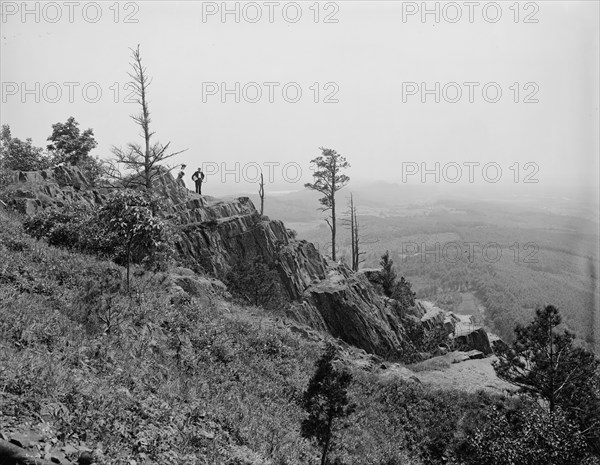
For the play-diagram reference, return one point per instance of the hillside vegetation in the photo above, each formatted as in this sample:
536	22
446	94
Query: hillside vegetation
182	377
119	344
164	375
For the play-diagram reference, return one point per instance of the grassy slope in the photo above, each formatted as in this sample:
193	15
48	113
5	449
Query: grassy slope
180	378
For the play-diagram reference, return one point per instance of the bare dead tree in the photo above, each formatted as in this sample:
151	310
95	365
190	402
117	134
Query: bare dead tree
261	192
356	240
352	223
141	162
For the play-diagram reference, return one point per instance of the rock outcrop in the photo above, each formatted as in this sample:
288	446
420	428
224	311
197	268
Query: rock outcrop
352	311
475	340
217	234
325	296
31	191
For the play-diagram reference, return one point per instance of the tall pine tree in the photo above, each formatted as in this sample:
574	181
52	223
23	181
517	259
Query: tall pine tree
328	181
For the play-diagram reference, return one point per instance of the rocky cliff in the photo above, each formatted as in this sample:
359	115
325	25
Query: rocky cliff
217	233
30	191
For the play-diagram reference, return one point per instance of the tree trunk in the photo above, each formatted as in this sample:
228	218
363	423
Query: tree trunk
333	231
552	370
352	238
147	160
333	189
128	263
261	192
145	120
325	451
357	243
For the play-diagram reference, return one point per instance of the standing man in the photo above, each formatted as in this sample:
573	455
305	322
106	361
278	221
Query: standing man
180	181
198	177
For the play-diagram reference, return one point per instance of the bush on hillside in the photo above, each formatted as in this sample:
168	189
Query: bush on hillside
138	233
525	433
256	283
74	227
127	229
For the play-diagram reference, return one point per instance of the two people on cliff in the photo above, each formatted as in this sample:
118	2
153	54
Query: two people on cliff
197	177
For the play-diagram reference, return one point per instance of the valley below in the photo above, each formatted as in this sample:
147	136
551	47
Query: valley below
465	255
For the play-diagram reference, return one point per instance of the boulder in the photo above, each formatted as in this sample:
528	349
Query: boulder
460	357
475	340
475	355
183	281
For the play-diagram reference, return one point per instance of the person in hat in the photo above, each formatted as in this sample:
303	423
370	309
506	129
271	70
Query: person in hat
180	181
198	177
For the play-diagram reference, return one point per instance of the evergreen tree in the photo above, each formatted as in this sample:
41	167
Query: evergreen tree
328	180
547	365
388	274
143	160
403	293
326	400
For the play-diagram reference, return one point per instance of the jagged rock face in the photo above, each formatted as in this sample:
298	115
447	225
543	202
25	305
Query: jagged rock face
418	310
218	234
61	175
353	312
31	191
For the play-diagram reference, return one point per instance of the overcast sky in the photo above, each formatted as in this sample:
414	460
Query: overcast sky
369	60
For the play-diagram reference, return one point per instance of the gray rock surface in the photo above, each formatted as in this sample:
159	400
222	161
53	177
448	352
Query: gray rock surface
475	340
216	234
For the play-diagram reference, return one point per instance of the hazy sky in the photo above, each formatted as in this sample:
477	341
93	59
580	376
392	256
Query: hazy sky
372	63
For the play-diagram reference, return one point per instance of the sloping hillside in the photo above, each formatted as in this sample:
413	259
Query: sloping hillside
174	370
215	236
177	373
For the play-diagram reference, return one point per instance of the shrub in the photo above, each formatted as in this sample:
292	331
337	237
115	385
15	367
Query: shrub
256	282
99	302
126	229
131	219
525	434
73	227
